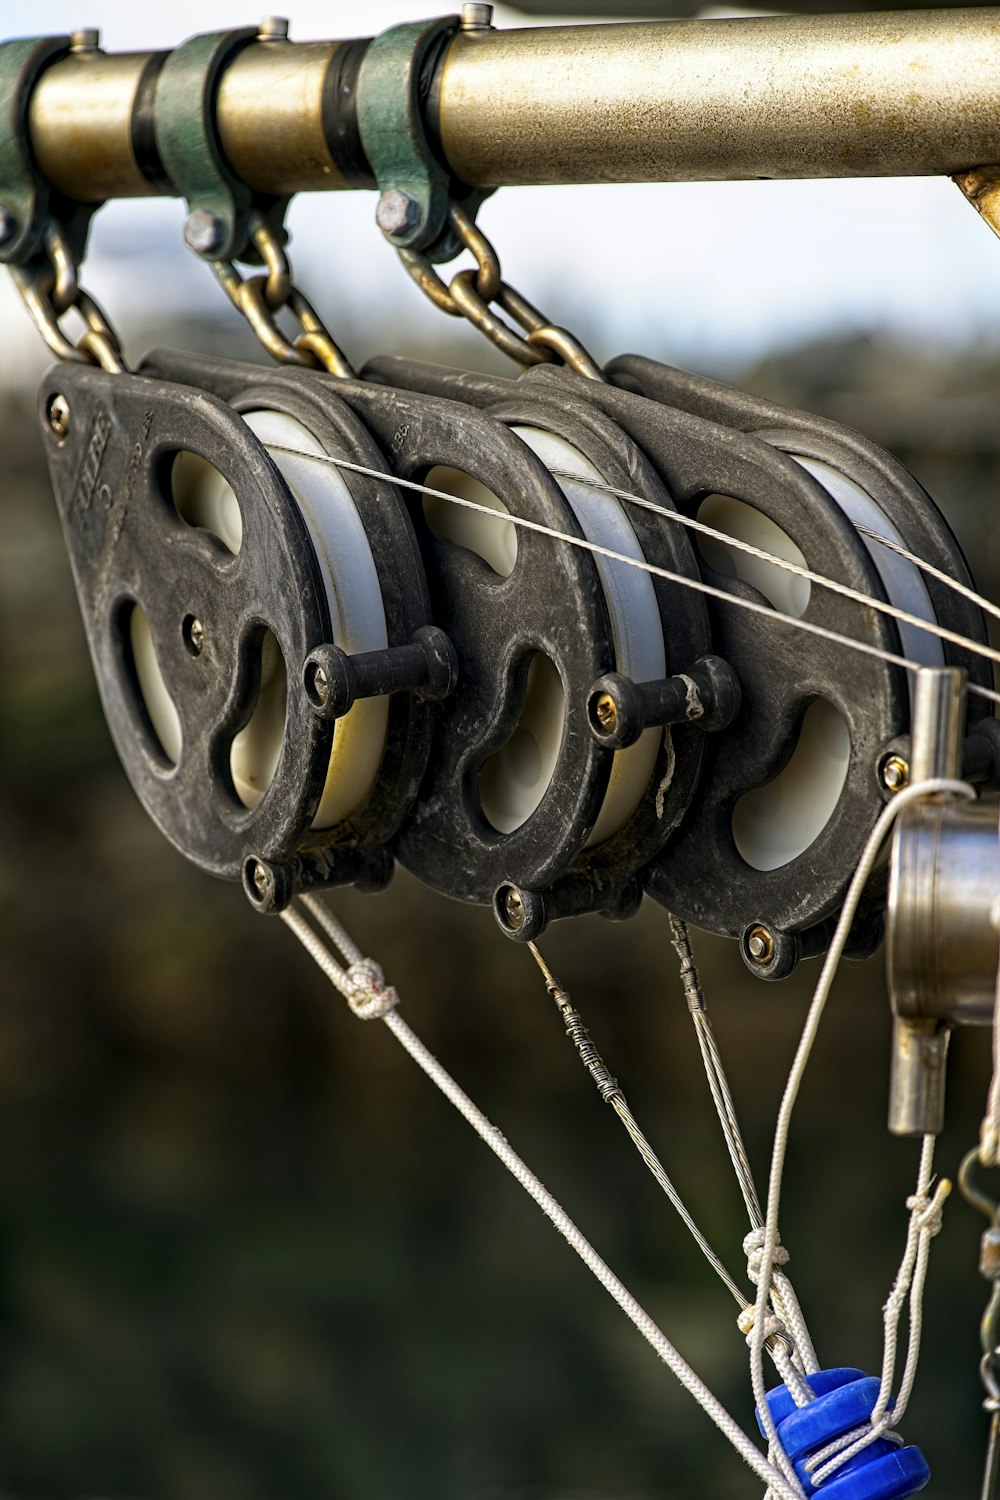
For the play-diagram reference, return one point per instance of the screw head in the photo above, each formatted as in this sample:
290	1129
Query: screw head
476	17
8	226
894	773
193	632
513	909
203	232
85	39
605	711
760	944
273	29
397	212
317	684
259	878
57	415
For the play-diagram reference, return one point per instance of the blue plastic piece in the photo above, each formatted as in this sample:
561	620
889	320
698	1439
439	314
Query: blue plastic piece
844	1399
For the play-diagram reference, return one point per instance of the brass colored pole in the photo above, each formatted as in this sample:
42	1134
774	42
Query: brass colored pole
852	95
910	93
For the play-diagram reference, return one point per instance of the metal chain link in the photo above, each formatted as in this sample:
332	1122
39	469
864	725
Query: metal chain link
470	293
50	287
260	298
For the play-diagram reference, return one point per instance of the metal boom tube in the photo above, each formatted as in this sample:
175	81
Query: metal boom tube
870	95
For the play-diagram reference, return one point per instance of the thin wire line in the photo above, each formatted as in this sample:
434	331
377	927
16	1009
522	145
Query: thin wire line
549	1205
612	1093
930	569
796	569
809	627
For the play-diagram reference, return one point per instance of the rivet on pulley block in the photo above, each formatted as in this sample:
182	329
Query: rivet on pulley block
426	665
619	710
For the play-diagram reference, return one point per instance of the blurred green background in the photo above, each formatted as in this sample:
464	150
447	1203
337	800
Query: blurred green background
247	1253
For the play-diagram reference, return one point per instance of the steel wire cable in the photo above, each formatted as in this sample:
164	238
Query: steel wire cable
904	616
553	1210
698	585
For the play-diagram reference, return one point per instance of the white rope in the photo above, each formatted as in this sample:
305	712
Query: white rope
354	991
808	627
902	799
925	1222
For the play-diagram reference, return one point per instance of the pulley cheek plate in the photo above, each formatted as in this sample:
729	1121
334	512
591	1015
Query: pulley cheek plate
702	875
610	865
400	572
550	605
893	489
129	546
496	624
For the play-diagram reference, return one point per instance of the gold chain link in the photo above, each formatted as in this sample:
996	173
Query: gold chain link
260	298
469	294
51	288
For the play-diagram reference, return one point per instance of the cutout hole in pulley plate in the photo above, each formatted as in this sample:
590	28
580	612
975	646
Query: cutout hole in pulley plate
516	777
256	749
491	538
205	499
783	591
775	823
161	712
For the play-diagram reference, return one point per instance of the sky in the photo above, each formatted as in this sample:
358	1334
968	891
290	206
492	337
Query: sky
714	275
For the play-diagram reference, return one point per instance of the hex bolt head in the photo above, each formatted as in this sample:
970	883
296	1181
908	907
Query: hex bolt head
760	945
8	226
397	212
203	232
894	773
57	416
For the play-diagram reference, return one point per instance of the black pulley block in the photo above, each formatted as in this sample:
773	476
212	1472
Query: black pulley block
702	873
549	606
209	608
836	450
876	490
603	875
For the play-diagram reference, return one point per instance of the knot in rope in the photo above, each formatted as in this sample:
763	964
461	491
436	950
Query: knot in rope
927	1212
753	1249
368	995
774	1328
